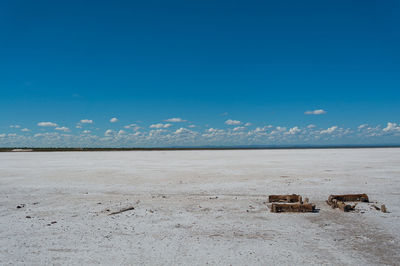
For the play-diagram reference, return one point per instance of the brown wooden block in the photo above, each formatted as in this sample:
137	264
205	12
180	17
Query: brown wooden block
285	198
349	197
292	207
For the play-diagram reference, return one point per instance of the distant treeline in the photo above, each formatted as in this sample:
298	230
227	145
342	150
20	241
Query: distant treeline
55	149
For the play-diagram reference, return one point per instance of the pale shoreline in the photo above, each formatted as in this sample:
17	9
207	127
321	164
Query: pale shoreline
196	207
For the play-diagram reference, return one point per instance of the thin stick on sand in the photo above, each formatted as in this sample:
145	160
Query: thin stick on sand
123	210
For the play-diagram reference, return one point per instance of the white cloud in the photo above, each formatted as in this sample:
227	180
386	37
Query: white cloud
15	126
175	120
86	121
311	126
247	124
47	124
134	127
181	130
12	135
329	130
65	129
161	134
362	126
239	128
160	125
231	122
109	133
186	131
315	112
262	129
129	126
47	134
25	130
391	127
294	131
114	120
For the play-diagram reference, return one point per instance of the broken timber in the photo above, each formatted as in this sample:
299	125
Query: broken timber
341	205
292	207
285	198
338	201
349	197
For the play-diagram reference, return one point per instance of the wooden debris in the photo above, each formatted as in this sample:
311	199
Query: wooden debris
341	205
346	207
285	198
383	208
338	201
292	207
349	197
376	207
122	210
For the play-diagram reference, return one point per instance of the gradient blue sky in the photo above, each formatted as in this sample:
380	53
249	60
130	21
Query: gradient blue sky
143	62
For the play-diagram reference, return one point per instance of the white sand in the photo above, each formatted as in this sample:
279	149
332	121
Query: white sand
178	220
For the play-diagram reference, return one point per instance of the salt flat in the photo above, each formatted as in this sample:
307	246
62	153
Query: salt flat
196	207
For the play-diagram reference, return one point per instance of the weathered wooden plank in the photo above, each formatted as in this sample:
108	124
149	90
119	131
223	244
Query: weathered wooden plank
349	197
285	198
292	207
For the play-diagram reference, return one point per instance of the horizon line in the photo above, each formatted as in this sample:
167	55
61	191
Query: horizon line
236	147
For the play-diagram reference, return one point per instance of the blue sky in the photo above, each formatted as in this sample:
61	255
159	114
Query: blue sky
262	63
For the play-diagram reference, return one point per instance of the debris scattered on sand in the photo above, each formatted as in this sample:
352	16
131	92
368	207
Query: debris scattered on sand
285	198
290	203
341	205
338	201
122	210
20	206
28	217
383	208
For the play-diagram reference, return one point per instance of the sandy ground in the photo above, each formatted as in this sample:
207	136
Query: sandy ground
196	207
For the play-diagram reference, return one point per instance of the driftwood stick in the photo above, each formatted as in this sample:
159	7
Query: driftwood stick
123	210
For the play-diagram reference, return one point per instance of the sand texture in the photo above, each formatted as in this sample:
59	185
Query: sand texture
197	208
